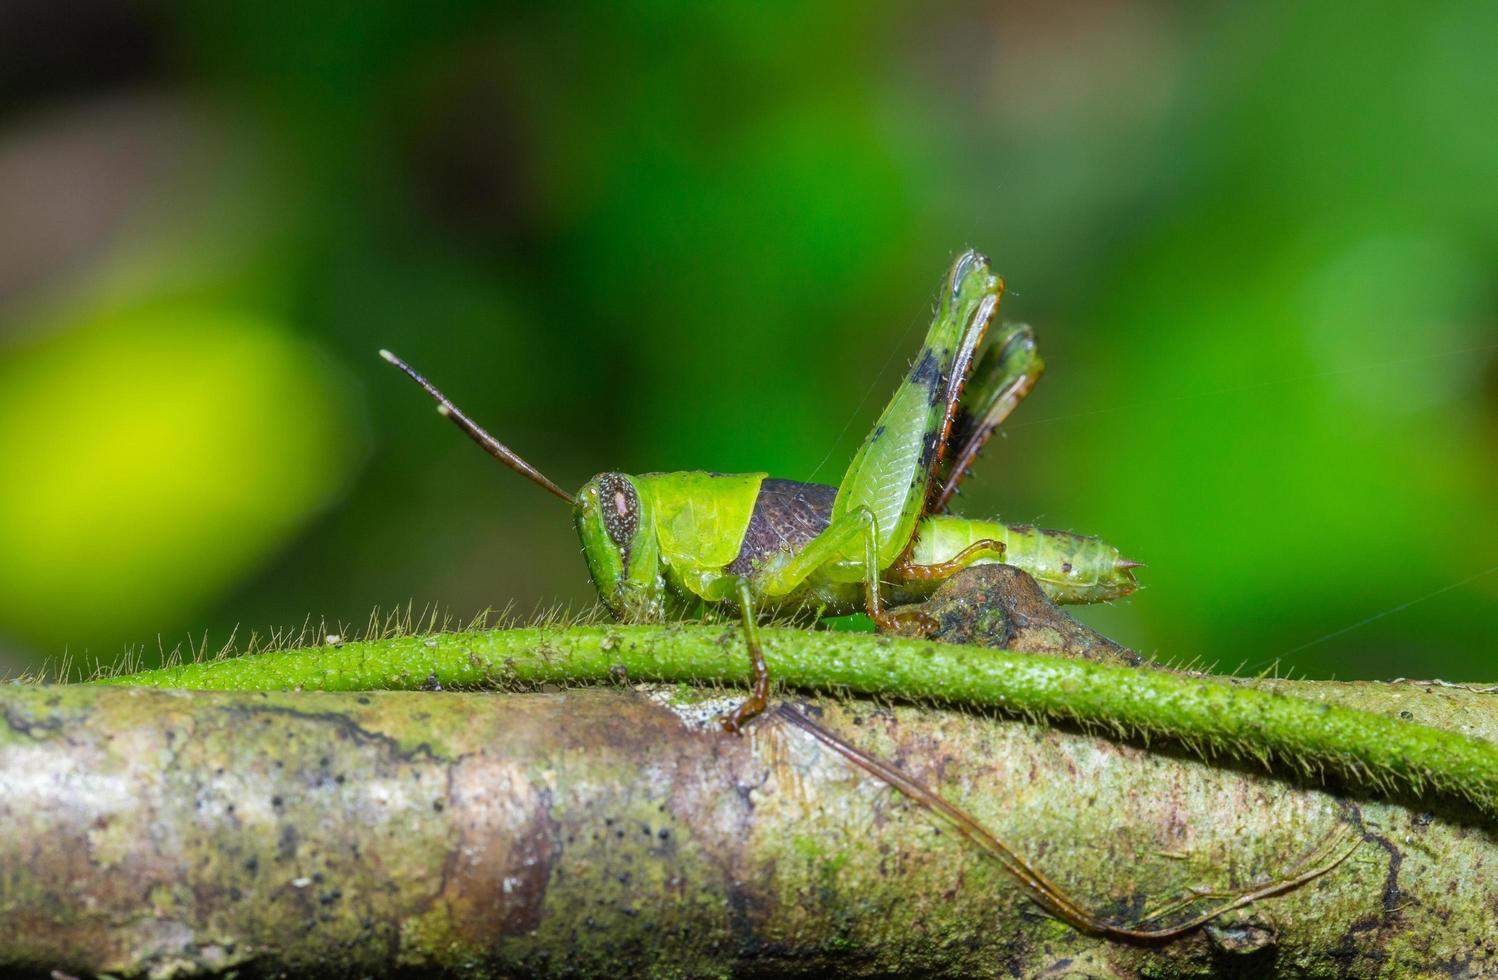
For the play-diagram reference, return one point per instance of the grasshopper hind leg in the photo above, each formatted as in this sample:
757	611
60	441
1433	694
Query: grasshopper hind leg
889	620
1182	913
943	570
910	620
905	621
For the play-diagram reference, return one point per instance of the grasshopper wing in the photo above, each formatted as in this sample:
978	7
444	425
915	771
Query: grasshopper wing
1007	369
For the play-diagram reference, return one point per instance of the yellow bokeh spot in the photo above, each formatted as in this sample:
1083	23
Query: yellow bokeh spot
149	460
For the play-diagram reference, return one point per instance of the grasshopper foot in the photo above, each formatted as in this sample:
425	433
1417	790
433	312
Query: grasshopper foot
751	708
911	622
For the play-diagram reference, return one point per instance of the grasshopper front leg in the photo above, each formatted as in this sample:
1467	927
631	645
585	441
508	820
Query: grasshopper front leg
759	689
827	557
825	550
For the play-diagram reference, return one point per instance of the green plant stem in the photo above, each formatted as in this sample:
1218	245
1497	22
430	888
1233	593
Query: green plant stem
1206	715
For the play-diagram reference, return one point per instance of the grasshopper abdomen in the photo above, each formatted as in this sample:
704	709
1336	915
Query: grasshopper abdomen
1068	567
789	514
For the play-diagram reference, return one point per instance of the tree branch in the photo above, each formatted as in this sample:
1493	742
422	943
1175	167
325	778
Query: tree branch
1316	731
614	830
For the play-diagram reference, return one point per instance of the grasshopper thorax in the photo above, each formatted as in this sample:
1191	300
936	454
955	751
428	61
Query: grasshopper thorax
617	529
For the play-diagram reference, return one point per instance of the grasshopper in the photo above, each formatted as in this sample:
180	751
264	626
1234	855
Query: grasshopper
660	545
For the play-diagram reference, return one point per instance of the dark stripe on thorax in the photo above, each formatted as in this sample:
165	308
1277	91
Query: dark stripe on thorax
787	515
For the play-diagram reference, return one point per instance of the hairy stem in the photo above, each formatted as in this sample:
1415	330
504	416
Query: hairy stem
1208	716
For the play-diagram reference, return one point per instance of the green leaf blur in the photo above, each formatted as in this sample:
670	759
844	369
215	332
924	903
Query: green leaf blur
1255	242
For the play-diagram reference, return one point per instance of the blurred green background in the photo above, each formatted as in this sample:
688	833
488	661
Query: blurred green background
1257	242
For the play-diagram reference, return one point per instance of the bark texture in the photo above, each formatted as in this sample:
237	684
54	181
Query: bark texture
618	832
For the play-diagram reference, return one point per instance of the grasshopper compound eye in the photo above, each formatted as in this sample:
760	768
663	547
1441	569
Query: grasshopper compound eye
620	505
616	505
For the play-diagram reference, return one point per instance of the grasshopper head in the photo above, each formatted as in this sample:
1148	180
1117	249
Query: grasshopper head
618	534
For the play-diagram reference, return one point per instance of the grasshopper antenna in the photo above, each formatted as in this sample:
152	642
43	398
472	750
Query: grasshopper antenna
474	431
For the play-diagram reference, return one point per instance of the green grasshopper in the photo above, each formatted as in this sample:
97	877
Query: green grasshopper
660	545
